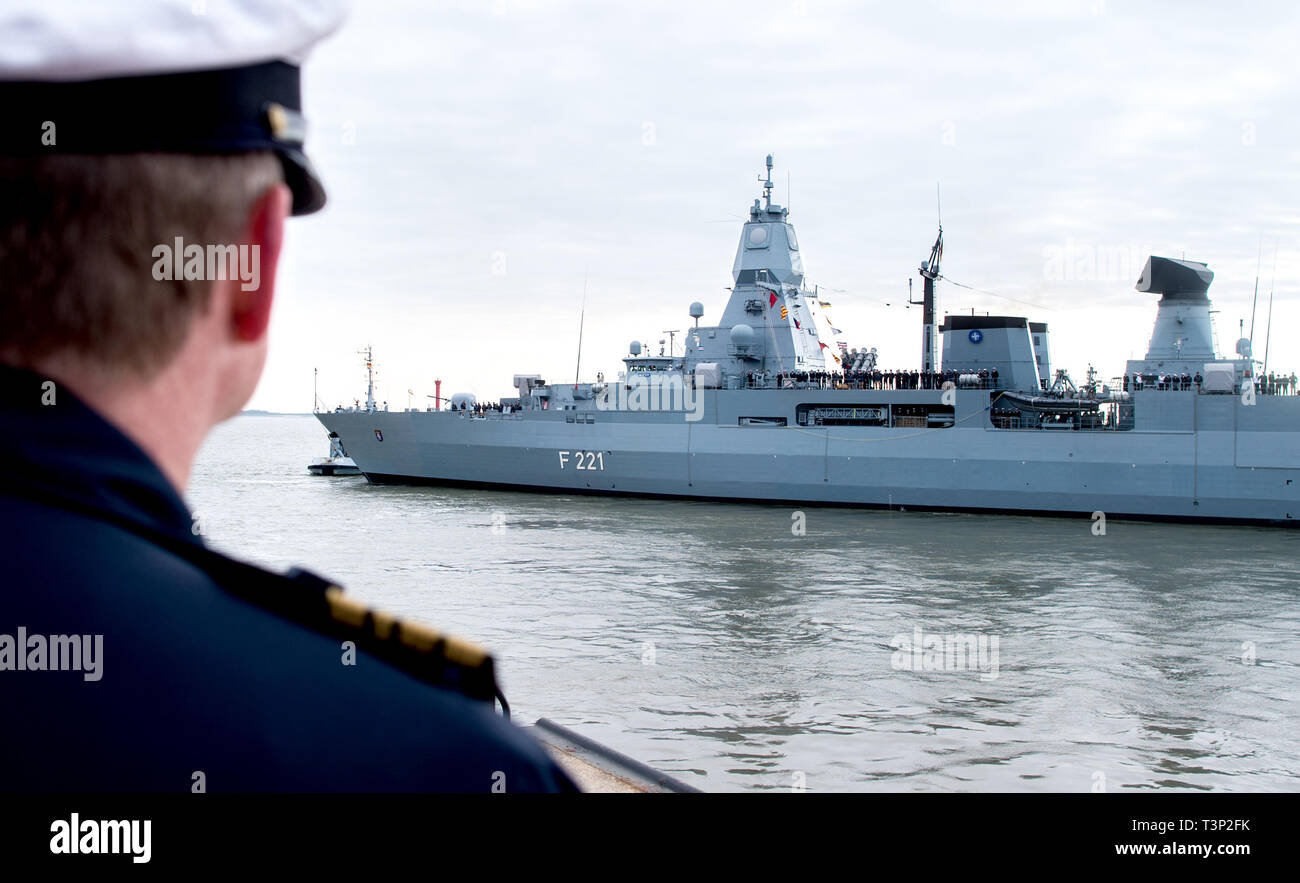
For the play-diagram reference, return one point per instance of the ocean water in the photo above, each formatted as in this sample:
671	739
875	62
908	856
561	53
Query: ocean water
722	644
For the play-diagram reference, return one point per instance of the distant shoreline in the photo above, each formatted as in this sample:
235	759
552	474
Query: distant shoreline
255	413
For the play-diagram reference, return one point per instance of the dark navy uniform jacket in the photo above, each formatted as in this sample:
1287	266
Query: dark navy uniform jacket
208	666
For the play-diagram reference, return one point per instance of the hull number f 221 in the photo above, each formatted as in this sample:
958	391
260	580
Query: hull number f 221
594	460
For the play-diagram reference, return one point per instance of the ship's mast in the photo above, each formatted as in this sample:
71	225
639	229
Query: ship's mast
1268	328
767	185
929	273
368	352
1259	257
582	320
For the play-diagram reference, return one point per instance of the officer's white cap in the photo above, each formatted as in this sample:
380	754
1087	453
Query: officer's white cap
185	76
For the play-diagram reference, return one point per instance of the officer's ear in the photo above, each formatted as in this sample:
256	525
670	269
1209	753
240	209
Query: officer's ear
264	234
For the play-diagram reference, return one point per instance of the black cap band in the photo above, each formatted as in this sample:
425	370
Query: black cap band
227	110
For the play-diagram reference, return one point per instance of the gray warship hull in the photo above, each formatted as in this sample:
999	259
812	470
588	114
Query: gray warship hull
759	407
1212	458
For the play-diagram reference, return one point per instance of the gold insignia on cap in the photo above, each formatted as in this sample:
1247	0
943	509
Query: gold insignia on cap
279	120
285	124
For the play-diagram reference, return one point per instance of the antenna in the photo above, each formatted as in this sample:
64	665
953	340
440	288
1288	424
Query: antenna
582	319
767	185
368	352
1255	301
1268	328
672	335
938	203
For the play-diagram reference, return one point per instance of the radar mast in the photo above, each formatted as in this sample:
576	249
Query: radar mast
929	273
767	185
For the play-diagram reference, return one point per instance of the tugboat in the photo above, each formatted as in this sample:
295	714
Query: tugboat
759	407
337	463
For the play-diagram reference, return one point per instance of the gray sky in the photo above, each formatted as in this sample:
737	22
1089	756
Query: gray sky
481	157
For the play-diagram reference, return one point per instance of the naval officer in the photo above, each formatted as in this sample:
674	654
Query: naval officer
132	657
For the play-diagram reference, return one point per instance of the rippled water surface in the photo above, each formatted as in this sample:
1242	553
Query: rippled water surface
711	642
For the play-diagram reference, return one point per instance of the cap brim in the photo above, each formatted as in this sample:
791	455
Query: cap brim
305	185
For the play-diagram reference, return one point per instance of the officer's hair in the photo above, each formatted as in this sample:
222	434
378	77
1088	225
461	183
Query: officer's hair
77	235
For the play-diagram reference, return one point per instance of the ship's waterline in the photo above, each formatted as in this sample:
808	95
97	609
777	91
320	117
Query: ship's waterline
748	449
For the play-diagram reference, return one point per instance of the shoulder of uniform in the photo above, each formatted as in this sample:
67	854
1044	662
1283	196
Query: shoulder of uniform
423	652
311	601
446	658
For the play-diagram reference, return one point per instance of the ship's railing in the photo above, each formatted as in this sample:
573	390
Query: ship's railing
883	383
1172	384
1281	386
1068	424
775	382
1276	385
494	414
936	383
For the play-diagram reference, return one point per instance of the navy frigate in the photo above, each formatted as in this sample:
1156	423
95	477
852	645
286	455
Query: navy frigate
759	407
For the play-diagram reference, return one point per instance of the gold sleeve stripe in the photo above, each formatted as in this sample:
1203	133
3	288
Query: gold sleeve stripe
383	624
414	635
419	637
345	610
465	653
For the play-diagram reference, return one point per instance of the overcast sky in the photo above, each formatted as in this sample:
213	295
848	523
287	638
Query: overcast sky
483	157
